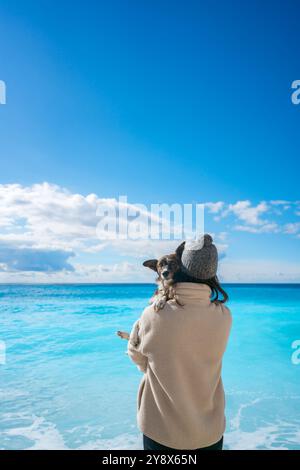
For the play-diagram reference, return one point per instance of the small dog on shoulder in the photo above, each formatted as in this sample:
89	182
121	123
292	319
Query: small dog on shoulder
166	267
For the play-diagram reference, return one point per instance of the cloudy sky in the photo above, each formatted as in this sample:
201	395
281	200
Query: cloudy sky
162	105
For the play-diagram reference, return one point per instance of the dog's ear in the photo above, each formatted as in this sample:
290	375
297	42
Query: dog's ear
179	250
151	263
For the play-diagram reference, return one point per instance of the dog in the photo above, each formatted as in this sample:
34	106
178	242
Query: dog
166	267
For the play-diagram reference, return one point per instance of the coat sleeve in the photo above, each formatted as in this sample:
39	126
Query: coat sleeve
134	347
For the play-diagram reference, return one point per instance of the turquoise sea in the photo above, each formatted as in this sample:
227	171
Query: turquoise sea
67	383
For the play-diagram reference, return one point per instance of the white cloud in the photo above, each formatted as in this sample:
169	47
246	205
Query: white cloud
292	228
45	214
214	207
29	259
47	233
249	214
45	219
222	236
84	273
260	271
266	228
280	202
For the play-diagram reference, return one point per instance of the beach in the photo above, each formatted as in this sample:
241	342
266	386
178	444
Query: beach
67	382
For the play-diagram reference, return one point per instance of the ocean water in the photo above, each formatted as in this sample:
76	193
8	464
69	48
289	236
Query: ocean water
68	384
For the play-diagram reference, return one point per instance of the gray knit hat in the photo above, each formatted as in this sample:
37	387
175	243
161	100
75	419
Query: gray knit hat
200	258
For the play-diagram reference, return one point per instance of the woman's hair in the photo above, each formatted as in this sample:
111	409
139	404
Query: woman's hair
213	283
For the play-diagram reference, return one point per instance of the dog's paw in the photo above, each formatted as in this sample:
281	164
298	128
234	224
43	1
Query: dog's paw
123	334
159	303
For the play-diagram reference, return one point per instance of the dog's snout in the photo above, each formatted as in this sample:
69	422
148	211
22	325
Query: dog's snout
165	274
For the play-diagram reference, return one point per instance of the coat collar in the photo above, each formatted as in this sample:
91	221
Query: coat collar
193	291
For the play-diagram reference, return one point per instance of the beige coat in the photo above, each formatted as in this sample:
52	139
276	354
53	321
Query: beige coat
181	397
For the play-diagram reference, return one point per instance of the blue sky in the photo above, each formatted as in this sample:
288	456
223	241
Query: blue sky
160	101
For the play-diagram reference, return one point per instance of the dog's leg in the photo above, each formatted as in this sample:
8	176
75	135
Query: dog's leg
161	298
133	337
160	302
123	335
154	297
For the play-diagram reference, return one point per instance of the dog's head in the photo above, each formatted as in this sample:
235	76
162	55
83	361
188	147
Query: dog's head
166	266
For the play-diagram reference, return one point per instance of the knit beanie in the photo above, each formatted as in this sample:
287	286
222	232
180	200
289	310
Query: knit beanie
200	258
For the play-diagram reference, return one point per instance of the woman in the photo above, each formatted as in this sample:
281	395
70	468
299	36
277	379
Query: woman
180	351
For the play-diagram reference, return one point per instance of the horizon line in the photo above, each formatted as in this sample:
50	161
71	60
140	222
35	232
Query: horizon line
138	283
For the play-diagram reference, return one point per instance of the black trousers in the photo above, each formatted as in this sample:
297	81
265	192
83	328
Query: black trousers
149	444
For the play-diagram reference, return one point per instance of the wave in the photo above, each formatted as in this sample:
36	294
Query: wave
256	424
